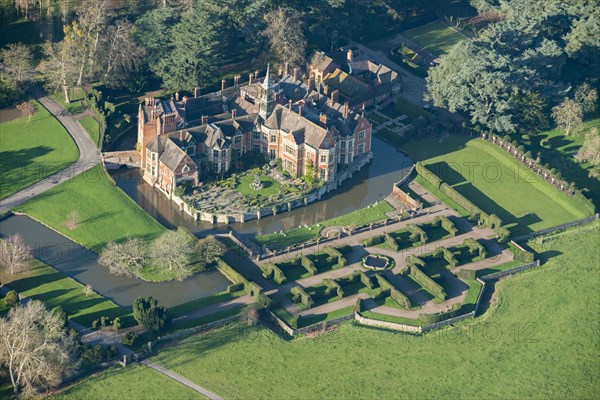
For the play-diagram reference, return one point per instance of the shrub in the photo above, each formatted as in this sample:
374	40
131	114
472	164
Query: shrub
391	242
12	298
521	255
130	338
95	323
300	295
447	224
235	287
450	258
92	355
111	351
366	280
58	310
148	313
308	265
335	253
416	233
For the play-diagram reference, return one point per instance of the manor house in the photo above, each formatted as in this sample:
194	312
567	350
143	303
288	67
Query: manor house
291	118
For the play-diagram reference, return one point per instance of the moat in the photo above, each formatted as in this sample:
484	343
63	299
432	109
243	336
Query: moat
371	183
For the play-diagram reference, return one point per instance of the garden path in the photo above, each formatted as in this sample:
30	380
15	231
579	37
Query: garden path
89	155
181	380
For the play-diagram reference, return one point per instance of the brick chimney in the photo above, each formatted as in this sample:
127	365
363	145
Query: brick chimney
296	73
176	96
204	120
286	67
290	104
345	110
300	110
181	136
280	71
323	118
236	80
256	74
197	91
335	96
310	83
250	76
233	113
349	56
325	90
185	99
223	84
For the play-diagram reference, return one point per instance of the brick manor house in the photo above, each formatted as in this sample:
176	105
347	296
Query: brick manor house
298	120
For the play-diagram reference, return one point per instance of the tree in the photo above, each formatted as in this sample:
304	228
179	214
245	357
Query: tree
123	258
120	54
17	61
12	298
587	97
285	36
172	250
72	221
148	313
568	115
15	255
310	175
27	108
91	20
59	67
153	30
193	52
590	152
210	248
34	348
88	290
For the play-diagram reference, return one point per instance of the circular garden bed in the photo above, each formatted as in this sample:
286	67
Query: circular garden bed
377	262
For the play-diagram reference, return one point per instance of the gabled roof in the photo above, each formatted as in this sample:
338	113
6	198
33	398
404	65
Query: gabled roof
319	60
346	84
172	156
302	129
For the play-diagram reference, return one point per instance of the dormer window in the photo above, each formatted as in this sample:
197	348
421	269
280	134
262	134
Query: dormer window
185	168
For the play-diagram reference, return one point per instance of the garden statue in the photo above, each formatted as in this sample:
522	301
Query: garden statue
256	183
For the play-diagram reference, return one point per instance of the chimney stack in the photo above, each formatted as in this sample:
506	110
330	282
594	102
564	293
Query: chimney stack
181	136
346	110
280	72
185	99
349	56
334	96
256	74
310	83
290	104
176	96
223	83
286	68
197	91
323	118
233	113
300	110
250	76
296	73
204	120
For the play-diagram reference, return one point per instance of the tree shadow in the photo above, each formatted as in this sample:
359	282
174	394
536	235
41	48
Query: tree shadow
446	173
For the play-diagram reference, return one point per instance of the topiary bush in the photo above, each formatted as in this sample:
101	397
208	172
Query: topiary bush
148	313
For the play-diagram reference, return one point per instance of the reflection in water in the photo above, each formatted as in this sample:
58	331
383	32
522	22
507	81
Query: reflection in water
82	265
370	184
8	114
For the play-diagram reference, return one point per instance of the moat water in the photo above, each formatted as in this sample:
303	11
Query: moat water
366	186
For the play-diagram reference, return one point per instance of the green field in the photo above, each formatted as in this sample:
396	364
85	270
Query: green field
362	216
538	340
435	37
56	289
106	212
133	382
31	151
497	183
270	186
92	128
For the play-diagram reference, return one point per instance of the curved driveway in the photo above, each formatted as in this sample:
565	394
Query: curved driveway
89	156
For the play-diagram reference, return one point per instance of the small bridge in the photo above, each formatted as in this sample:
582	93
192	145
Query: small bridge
121	159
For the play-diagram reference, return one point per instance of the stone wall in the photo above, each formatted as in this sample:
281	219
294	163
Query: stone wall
543	232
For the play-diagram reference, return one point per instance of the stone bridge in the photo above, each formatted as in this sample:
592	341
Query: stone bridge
121	159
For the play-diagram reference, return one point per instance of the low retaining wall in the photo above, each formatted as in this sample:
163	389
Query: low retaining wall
404	197
511	271
307	329
543	232
386	325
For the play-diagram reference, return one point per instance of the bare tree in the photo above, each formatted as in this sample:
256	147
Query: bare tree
17	60
123	258
587	97
72	221
590	152
59	67
91	21
34	348
120	54
568	115
27	108
15	255
173	251
285	36
88	290
210	248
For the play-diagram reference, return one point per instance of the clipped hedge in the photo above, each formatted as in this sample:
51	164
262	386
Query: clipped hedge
428	175
299	295
272	271
416	233
373	241
332	286
447	224
358	306
429	319
335	253
429	284
308	265
344	249
400	298
475	247
391	242
466	274
366	280
231	274
521	255
235	287
450	258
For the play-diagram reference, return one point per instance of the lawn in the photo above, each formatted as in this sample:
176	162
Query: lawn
31	151
56	289
106	213
498	184
270	186
362	216
435	37
535	342
76	97
92	128
412	110
133	382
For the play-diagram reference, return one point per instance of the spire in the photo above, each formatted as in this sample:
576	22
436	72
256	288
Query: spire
267	81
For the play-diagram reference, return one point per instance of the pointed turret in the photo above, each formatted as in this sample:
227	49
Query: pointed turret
267	101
